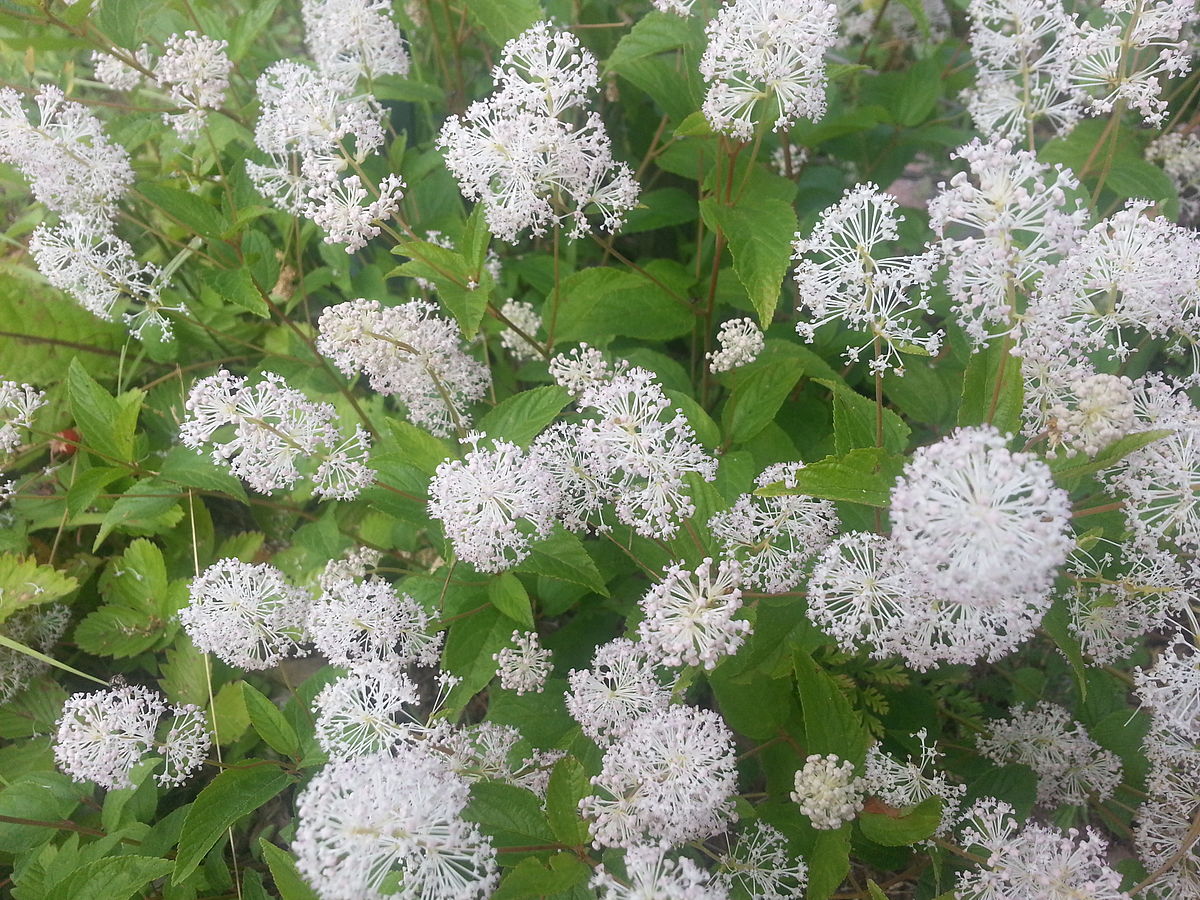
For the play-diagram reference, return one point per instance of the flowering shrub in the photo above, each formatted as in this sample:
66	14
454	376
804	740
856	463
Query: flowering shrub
627	450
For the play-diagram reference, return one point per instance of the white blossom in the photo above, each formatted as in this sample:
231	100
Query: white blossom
245	614
759	863
653	876
905	784
368	711
828	791
353	39
526	318
689	617
740	341
194	69
620	688
525	667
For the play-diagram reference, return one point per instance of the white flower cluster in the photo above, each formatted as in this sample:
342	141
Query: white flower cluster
759	865
359	619
978	534
117	74
40	628
531	152
621	687
101	736
313	128
905	784
353	39
1033	861
828	791
1070	766
1170	690
194	69
1020	48
1179	154
668	779
493	503
689	617
247	615
765	60
368	821
525	667
275	428
844	274
740	341
650	873
18	403
1000	229
77	172
410	352
522	315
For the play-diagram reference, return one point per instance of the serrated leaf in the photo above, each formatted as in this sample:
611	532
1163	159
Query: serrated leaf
25	583
530	879
470	645
234	793
107	423
601	301
828	862
916	825
1068	468
759	230
453	276
757	396
145	507
502	20
508	595
568	785
521	417
42	797
110	878
863	476
188	468
511	815
288	881
270	722
855	423
187	209
236	287
993	390
562	556
118	631
830	723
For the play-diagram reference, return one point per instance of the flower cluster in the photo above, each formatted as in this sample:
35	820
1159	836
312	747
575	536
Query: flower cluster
101	736
274	429
531	152
764	59
194	69
828	791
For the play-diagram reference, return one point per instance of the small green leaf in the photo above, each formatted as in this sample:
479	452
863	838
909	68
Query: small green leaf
236	286
187	209
502	20
25	583
150	506
107	423
875	891
563	556
41	797
993	390
531	880
508	595
1068	468
110	878
568	785
453	276
828	862
855	422
470	646
863	476
188	468
600	302
521	417
830	723
270	723
695	125
916	825
288	881
232	794
757	396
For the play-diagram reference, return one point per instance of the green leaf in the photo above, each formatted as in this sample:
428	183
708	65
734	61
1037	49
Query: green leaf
993	390
757	396
508	595
503	20
25	583
863	476
1057	625
828	862
602	302
406	90
830	723
107	423
521	417
236	286
695	125
760	231
652	34
511	815
119	20
118	631
232	794
531	880
568	785
661	208
6	641
901	831
418	446
190	469
875	891
270	723
562	556
41	797
1068	468
288	881
470	645
450	272
186	208
150	506
110	878
855	423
